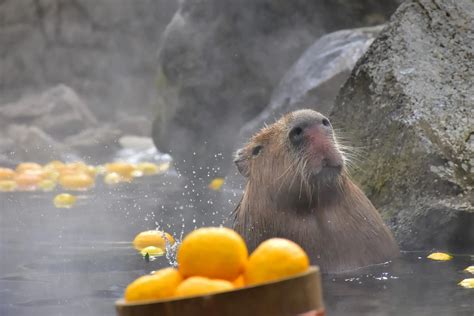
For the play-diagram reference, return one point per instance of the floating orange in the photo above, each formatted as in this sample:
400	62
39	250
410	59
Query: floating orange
76	181
28	180
27	166
6	174
124	169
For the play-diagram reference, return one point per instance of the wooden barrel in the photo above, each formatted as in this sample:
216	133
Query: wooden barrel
300	294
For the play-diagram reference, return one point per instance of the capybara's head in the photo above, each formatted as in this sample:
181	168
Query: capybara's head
294	158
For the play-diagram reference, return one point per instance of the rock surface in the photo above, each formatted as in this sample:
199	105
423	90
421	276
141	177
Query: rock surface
220	61
58	124
96	143
33	144
316	78
58	111
105	50
409	107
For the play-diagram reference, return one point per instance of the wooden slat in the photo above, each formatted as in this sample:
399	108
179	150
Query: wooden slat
292	296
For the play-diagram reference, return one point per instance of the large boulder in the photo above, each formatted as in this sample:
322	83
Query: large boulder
57	111
105	50
409	109
96	144
33	144
317	76
58	124
220	60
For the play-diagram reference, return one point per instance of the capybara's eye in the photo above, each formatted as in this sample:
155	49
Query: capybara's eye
256	150
326	122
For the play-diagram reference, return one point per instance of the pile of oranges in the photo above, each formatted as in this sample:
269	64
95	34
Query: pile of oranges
212	260
76	176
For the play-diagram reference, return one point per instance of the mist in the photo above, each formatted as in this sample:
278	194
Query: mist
185	84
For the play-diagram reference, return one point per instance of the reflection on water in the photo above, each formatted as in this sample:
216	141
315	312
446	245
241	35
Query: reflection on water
78	261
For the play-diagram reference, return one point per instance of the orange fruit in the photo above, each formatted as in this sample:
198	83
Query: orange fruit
47	185
197	285
6	174
54	165
161	284
239	282
115	178
274	259
76	167
27	166
122	168
148	168
28	180
154	238
216	184
7	185
213	252
64	200
76	181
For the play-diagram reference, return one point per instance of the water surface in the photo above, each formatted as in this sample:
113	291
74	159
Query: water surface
78	261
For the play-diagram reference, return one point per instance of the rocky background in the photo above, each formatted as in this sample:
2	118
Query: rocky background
220	61
105	50
409	107
76	76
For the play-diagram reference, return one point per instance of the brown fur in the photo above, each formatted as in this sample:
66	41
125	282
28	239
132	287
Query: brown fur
307	196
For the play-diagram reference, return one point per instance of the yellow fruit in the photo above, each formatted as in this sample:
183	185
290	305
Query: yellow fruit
137	173
148	168
76	167
161	284
7	185
467	283
28	180
27	166
47	185
51	174
274	259
152	251
122	168
469	269
216	253
239	282
64	200
6	174
440	256
76	181
163	167
54	165
100	170
153	238
113	178
216	184
196	285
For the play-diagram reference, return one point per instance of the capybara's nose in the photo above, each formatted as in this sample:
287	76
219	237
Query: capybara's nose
299	129
296	135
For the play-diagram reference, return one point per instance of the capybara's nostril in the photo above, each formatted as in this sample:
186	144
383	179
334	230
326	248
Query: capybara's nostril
296	135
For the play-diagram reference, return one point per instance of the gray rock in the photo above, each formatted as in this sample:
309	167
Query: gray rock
33	144
134	125
316	78
409	107
220	61
58	111
96	144
105	50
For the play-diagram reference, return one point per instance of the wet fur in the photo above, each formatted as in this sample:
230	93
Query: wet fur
326	213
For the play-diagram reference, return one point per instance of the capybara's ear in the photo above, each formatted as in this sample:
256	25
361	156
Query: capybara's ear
242	162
